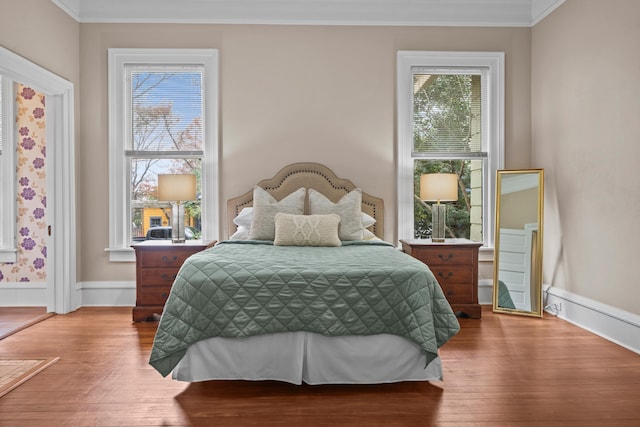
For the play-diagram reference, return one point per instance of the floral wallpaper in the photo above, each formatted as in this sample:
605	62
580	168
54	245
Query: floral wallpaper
31	191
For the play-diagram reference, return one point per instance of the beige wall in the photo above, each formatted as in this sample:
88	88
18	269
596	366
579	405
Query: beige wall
41	32
586	127
571	107
519	208
288	94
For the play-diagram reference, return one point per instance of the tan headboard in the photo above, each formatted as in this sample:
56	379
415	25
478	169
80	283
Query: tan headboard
308	175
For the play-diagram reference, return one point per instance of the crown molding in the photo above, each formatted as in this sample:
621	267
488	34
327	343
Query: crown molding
540	9
483	13
70	7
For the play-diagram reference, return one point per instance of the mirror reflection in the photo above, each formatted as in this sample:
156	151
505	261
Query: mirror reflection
518	242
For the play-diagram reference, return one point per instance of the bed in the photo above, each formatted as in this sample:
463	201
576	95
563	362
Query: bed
309	293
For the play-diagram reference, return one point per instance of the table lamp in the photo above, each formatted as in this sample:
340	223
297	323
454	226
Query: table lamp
177	188
438	187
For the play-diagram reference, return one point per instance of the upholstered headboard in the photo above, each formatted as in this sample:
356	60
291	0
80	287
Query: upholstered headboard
308	175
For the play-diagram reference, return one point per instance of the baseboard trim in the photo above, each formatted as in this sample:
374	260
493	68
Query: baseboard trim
485	291
610	323
22	294
106	294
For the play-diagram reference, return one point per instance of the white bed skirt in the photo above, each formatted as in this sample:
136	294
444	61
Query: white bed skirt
297	357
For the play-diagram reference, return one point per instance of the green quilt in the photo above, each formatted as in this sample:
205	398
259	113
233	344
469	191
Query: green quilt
246	288
504	297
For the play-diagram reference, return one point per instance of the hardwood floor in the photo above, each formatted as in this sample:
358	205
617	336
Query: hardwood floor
14	319
499	370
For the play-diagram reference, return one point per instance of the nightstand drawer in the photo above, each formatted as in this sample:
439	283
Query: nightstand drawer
451	275
157	265
157	276
443	256
162	259
458	293
454	264
154	295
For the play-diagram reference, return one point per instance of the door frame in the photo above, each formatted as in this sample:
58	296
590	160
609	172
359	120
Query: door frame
61	211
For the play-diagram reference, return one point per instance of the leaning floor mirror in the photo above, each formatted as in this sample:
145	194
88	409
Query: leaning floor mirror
517	276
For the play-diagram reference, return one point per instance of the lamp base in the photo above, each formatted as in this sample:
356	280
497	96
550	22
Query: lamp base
177	223
438	215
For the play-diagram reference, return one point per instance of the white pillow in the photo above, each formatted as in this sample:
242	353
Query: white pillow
367	220
243	221
265	208
349	209
242	233
244	218
306	230
370	236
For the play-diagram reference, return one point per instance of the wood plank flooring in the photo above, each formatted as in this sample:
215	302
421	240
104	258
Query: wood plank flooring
14	319
499	370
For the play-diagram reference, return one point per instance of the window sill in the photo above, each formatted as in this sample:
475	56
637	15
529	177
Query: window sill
9	256
485	254
121	254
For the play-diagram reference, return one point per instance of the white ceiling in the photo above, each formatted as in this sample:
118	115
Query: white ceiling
500	13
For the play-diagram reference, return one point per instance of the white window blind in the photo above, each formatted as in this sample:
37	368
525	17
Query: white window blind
164	100
447	110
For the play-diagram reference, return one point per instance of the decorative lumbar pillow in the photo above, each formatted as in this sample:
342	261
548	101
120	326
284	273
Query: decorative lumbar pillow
348	208
307	230
265	208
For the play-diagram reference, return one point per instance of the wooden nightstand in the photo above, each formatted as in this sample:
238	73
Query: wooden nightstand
455	265
157	264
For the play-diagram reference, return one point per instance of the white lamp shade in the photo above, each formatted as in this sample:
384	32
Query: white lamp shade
439	187
176	187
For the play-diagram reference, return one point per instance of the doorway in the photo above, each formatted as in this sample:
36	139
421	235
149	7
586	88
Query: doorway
60	180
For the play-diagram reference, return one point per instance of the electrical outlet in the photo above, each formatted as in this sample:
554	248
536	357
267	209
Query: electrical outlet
554	308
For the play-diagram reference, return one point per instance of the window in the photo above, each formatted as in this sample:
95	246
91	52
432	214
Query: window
450	119
162	113
155	221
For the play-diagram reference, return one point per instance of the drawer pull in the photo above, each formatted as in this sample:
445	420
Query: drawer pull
168	278
169	261
165	295
442	276
442	257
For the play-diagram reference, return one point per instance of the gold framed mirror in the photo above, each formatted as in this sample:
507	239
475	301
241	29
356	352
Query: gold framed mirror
517	260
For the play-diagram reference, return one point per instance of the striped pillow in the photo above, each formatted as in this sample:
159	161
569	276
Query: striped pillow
265	207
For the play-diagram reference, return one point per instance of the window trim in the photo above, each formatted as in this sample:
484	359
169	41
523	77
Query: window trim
494	62
8	247
119	203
